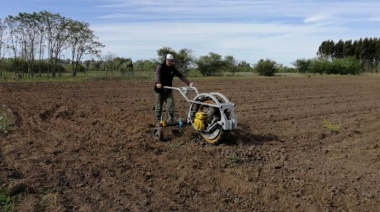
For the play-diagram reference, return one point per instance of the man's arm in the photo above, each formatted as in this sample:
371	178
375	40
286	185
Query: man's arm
183	78
158	74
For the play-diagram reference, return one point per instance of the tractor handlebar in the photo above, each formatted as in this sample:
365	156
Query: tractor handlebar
184	90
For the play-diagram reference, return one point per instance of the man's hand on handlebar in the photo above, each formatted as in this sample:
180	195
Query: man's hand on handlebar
159	86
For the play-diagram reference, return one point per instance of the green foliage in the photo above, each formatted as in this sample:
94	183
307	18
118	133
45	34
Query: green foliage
365	50
284	69
348	65
210	64
244	69
6	203
266	67
320	66
302	65
235	158
145	65
5	126
126	68
331	127
26	68
184	59
338	66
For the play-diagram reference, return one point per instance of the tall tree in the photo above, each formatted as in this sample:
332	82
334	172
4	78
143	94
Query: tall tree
210	64
3	44
81	41
338	50
183	59
326	49
348	50
231	64
29	30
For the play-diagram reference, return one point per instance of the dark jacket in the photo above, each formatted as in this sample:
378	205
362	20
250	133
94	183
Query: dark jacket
165	75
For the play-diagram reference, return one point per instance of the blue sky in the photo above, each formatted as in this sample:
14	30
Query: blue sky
249	30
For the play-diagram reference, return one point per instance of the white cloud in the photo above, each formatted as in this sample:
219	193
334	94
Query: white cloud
283	30
249	42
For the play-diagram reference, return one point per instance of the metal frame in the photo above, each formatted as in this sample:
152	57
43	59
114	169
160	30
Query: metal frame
226	123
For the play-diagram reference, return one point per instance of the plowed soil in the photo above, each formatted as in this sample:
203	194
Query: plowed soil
303	144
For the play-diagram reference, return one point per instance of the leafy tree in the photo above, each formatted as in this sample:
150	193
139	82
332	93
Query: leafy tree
326	49
230	64
338	49
81	41
266	67
124	65
31	34
183	59
366	51
145	65
302	65
3	45
349	65
320	66
348	50
108	63
210	64
164	51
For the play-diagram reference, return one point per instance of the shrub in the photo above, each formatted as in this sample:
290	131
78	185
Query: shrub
344	66
235	158
4	124
6	203
331	127
266	67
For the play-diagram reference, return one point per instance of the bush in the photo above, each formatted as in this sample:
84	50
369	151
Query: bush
5	126
302	65
266	67
338	66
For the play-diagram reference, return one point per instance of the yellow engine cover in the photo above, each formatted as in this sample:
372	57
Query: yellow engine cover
199	123
201	115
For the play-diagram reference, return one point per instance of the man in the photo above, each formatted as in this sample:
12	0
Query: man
165	73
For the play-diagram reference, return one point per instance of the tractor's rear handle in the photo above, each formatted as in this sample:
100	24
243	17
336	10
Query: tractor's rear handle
184	91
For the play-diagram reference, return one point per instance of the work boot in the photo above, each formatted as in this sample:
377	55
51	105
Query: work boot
171	118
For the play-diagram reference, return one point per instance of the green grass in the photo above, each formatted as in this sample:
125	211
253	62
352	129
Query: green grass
67	77
332	127
5	126
235	159
147	75
6	203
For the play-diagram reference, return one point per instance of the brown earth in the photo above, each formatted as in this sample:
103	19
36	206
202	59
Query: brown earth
88	146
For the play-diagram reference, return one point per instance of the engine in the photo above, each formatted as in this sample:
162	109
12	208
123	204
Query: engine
199	120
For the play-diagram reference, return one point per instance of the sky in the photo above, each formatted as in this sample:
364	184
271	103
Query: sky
248	30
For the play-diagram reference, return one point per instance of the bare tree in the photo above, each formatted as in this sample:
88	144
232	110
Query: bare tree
3	45
82	41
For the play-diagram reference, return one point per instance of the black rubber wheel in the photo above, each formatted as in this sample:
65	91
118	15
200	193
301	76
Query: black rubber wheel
216	135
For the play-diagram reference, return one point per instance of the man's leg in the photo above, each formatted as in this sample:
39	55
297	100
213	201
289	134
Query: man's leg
170	104
159	102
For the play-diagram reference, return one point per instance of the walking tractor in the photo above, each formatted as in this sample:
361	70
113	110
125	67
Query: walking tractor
210	114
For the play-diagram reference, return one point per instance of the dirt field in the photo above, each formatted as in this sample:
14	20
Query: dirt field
89	147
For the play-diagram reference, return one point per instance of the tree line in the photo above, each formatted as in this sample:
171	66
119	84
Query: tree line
35	38
48	43
366	50
343	57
